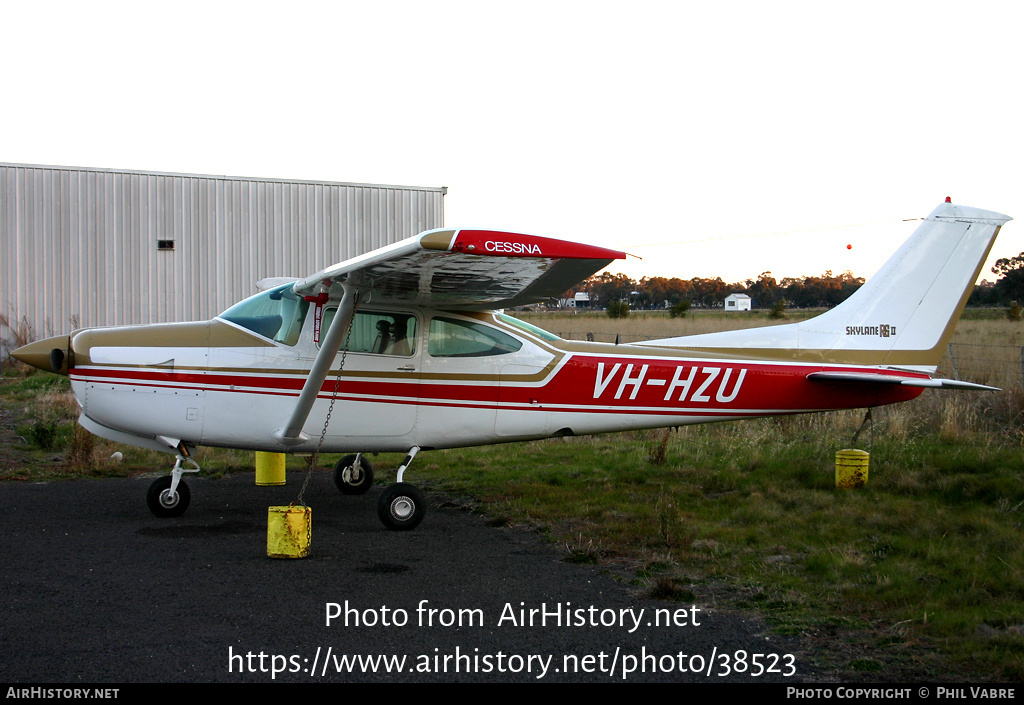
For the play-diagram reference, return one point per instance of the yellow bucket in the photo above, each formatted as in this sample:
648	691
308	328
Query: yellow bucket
269	468
289	530
851	468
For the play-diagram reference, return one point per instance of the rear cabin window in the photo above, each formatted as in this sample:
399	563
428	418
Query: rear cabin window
451	337
528	327
277	314
377	333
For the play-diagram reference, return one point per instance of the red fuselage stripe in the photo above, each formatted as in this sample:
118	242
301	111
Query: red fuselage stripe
582	384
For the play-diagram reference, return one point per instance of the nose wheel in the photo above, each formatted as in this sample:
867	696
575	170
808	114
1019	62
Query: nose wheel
168	496
165	502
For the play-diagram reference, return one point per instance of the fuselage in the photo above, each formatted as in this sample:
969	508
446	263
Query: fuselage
418	377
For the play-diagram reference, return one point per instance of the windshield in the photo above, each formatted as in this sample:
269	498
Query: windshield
277	314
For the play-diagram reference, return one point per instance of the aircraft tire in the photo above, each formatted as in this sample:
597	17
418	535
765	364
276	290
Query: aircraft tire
163	506
349	487
401	507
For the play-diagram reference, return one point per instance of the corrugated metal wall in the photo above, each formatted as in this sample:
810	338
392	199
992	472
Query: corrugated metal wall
81	245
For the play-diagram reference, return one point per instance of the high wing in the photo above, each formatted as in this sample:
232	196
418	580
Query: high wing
464	269
450	269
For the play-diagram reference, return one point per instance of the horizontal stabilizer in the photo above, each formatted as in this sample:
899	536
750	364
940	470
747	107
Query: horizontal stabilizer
907	381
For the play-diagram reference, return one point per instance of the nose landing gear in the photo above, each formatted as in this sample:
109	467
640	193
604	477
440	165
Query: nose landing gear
168	496
165	502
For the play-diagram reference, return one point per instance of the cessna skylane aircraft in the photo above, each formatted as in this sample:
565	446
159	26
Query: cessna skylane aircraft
404	349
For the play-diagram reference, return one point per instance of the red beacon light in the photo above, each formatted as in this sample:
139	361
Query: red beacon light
948	199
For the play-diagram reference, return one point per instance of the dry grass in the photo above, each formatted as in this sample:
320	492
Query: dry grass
647	325
16	332
987	352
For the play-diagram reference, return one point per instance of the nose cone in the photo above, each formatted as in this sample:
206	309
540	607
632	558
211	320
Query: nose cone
51	354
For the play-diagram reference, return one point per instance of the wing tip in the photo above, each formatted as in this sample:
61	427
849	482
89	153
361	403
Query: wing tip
501	243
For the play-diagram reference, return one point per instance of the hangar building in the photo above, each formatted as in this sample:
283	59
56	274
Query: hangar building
95	247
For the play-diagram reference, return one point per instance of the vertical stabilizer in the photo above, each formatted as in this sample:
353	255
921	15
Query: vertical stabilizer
901	317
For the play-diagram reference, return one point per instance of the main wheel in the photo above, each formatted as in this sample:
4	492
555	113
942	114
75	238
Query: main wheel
164	504
353	479
401	507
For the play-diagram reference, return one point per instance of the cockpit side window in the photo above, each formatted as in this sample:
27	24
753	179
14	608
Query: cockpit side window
451	337
377	333
277	314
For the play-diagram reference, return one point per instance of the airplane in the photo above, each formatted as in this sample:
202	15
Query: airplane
406	348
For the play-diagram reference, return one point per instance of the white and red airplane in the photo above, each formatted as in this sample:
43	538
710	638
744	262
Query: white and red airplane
403	349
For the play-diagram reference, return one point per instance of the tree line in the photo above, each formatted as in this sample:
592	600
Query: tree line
825	290
822	291
1005	291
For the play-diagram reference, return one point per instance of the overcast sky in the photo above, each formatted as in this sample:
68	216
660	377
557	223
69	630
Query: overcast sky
749	136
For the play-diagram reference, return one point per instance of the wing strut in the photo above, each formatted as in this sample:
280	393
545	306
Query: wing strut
292	435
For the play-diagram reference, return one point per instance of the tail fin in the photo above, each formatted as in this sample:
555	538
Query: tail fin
902	317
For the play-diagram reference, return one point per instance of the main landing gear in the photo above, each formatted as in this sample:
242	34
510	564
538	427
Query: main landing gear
401	507
168	496
353	474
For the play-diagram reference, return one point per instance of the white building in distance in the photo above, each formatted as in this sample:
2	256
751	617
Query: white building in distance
737	302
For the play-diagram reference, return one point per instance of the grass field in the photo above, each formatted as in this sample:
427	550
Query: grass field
919	575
